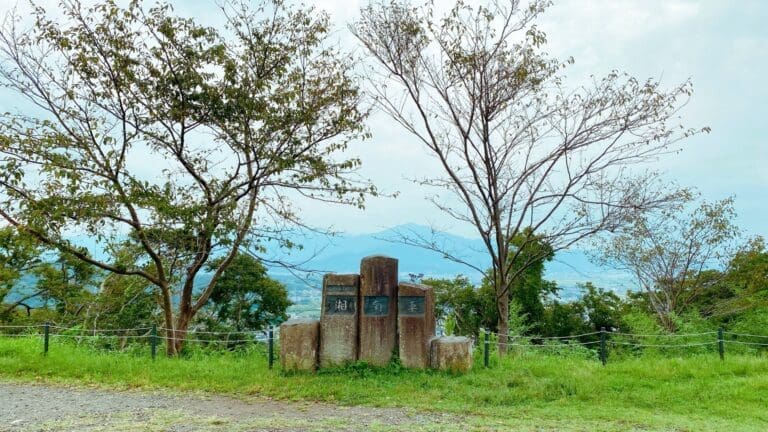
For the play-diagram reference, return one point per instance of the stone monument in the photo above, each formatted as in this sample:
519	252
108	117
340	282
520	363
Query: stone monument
378	311
339	319
451	353
415	323
299	341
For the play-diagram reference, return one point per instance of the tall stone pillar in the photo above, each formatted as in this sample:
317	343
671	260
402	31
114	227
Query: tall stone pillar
415	323
339	319
378	313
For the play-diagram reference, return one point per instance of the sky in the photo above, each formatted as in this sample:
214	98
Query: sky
721	46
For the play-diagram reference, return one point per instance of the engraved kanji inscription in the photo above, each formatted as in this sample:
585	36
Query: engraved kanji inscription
376	306
411	305
340	304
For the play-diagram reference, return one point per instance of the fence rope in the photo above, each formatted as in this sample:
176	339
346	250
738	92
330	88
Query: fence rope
215	333
649	335
662	345
76	336
746	335
745	343
20	334
87	330
261	336
570	345
159	337
21	327
513	336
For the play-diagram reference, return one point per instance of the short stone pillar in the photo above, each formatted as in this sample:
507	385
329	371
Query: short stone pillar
415	323
378	314
299	344
451	353
339	319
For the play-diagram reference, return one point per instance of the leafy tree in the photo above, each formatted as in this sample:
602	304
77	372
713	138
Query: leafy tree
60	280
529	255
191	142
67	285
459	301
670	253
246	298
472	307
516	147
19	254
603	309
745	284
564	319
122	303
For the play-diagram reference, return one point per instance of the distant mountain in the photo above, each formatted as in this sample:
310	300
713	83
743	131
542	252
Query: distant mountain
342	254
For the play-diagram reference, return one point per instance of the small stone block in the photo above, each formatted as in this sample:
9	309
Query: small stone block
416	323
299	344
378	314
339	319
451	353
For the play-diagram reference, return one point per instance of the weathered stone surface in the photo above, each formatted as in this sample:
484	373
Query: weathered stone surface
451	353
378	314
415	323
299	344
339	319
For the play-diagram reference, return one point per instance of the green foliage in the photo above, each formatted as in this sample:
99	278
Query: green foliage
123	302
246	298
745	285
466	308
234	121
18	254
518	320
66	284
460	306
529	255
671	252
603	309
60	280
564	319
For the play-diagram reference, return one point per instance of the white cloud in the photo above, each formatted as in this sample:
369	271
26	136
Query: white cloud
723	46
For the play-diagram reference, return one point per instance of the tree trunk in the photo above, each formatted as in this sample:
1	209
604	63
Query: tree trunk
180	330
170	333
666	321
502	304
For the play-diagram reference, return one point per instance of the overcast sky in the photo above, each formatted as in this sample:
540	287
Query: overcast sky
721	46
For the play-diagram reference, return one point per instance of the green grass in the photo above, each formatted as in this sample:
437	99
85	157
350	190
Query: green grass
529	392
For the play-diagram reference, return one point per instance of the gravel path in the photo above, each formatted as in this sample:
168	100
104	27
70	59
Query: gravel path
42	407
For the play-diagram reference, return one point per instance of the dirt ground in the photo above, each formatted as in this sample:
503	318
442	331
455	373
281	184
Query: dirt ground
43	407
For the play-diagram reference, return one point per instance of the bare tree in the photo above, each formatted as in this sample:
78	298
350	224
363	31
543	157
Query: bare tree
668	252
517	149
170	142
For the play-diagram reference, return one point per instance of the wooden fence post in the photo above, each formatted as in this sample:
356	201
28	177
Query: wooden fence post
153	340
720	343
46	337
603	352
271	344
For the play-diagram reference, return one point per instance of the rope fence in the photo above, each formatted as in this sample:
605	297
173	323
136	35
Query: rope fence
597	341
602	340
154	335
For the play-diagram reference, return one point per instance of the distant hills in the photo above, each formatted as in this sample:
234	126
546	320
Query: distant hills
342	254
